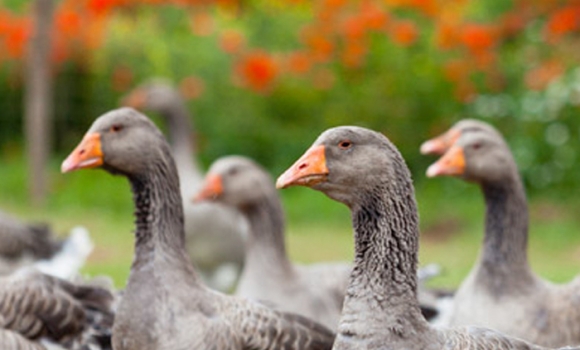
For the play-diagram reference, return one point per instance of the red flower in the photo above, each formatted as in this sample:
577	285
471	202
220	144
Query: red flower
404	32
478	38
353	28
68	22
374	17
232	41
318	43
354	53
299	63
17	38
563	21
446	35
257	70
100	7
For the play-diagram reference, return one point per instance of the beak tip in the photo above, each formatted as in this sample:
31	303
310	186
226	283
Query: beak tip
66	166
280	183
432	171
427	147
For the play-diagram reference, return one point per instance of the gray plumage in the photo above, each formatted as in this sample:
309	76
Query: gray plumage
37	306
381	311
165	304
213	232
21	244
502	291
315	290
13	340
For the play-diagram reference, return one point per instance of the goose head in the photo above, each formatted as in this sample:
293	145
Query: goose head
122	141
236	181
477	156
346	163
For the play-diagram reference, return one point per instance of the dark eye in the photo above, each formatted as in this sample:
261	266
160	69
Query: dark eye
233	171
476	146
116	128
346	144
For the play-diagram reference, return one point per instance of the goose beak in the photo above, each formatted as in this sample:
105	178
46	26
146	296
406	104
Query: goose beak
309	170
86	155
452	163
440	144
212	187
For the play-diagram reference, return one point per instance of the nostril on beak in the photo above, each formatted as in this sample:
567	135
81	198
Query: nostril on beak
82	151
302	166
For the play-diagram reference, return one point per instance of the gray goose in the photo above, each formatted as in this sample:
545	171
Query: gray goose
502	291
22	244
364	170
316	290
36	308
165	304
215	246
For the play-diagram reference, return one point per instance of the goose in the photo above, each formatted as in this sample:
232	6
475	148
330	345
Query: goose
316	290
440	144
502	291
22	244
165	303
215	246
364	170
38	309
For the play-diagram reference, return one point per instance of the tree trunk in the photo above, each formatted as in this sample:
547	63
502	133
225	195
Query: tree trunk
38	100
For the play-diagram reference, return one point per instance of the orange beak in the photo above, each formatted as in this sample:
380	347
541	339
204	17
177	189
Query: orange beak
212	187
452	163
136	99
86	155
440	144
309	170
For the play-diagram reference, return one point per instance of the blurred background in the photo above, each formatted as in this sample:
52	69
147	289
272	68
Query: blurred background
263	78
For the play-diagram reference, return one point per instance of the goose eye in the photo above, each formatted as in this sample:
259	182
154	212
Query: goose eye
116	128
476	146
345	144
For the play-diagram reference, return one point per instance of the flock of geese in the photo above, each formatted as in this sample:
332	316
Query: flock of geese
375	302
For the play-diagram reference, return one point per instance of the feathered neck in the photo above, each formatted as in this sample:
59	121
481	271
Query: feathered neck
159	231
383	284
266	246
505	242
182	140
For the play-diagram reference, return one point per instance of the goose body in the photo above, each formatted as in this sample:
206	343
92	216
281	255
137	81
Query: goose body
364	170
165	304
316	290
23	244
502	291
213	232
36	307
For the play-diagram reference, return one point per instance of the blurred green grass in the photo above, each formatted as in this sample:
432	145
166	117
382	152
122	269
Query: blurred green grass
318	228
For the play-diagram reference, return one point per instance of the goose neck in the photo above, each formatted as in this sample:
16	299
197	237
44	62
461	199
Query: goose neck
181	137
266	242
158	215
386	245
506	227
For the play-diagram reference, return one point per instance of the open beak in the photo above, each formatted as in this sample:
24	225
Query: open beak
440	144
87	154
452	163
309	170
212	188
